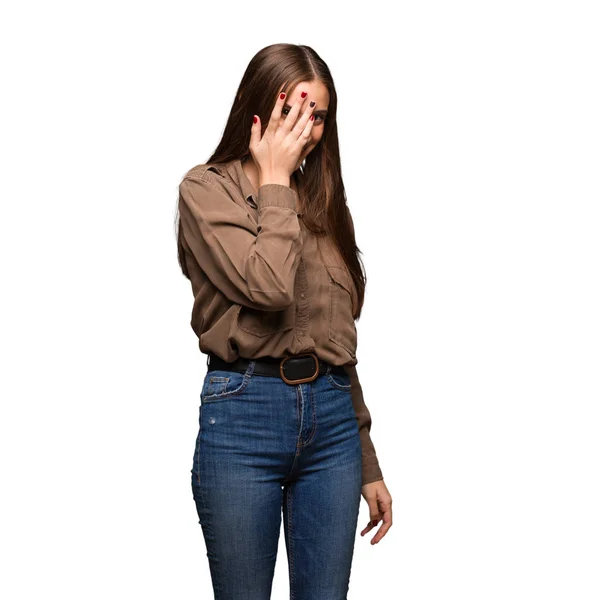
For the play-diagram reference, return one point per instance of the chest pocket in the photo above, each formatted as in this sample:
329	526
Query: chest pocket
266	322
262	323
342	328
342	295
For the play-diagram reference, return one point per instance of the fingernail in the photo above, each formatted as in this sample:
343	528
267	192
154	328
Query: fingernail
312	117
312	103
282	95
255	119
303	95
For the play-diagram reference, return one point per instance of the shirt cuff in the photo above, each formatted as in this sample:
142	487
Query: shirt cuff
276	194
371	471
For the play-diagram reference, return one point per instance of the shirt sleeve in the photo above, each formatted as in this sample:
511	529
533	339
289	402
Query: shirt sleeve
370	464
251	265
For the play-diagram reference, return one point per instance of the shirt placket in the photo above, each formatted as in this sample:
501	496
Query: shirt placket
302	301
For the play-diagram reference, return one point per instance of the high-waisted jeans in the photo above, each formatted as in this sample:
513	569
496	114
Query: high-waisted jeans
264	447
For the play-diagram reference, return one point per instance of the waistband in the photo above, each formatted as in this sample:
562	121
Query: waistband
293	368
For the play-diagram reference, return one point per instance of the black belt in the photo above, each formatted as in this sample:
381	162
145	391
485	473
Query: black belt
293	369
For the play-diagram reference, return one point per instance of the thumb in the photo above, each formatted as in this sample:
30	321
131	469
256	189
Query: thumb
255	131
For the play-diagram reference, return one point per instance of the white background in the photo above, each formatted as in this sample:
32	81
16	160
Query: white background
470	152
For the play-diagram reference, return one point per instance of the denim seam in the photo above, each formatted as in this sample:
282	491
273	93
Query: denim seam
222	384
314	421
345	388
238	390
296	454
299	416
198	450
291	543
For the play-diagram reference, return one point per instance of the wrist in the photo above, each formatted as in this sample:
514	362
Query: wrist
279	178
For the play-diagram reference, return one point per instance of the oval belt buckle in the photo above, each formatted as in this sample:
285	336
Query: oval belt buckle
306	379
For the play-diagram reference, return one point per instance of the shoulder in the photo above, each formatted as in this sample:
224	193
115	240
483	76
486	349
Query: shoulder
208	184
206	172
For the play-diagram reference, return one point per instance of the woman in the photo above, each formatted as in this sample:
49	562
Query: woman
267	241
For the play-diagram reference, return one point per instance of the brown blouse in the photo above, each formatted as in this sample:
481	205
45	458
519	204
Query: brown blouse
263	284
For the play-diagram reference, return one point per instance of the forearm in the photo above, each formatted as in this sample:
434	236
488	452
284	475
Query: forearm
253	264
371	470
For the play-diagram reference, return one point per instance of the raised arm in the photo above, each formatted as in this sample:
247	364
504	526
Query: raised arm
251	265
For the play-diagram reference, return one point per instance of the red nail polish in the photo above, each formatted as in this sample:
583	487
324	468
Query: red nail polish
303	95
255	119
312	117
282	95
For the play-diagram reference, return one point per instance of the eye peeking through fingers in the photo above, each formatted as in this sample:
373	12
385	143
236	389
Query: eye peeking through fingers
286	109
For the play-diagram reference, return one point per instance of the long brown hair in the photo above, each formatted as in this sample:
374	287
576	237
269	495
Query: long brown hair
281	67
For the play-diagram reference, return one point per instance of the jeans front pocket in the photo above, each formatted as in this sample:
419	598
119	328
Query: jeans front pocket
339	381
220	384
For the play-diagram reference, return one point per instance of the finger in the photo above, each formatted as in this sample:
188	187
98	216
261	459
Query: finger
305	122
291	117
370	525
255	131
387	523
276	112
367	529
304	138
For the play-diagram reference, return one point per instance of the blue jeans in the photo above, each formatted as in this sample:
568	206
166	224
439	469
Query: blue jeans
264	447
